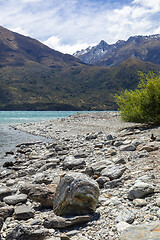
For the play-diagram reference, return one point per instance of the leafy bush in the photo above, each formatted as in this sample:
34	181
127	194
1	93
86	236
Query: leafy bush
141	105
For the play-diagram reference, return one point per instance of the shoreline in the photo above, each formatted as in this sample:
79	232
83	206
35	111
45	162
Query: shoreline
77	124
116	155
10	138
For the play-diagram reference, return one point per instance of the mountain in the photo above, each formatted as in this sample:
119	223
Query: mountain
18	50
144	48
35	77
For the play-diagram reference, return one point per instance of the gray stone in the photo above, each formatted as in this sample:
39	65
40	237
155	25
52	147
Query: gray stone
25	232
110	137
14	199
10	182
111	152
99	145
76	194
64	222
149	148
62	153
139	202
142	154
113	184
26	188
51	145
40	178
1	223
145	231
72	233
71	162
145	178
43	195
119	160
121	226
91	136
136	142
60	148
6	211
125	216
37	193
102	180
50	165
2	204
158	202
115	201
64	237
99	166
158	213
117	143
4	192
23	212
140	190
80	155
8	164
128	148
127	142
113	171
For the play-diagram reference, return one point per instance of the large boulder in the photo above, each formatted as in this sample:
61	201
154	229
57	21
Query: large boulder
76	194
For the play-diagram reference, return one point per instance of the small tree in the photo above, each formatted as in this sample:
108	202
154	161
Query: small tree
143	104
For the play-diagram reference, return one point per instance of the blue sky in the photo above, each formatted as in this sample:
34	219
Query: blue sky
71	25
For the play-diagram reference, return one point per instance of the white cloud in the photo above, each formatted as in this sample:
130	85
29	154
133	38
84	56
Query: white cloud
157	31
31	1
56	43
71	25
20	31
128	21
152	4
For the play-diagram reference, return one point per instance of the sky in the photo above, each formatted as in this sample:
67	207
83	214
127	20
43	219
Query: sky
71	25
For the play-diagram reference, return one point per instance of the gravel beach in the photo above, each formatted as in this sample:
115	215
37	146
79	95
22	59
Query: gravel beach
109	173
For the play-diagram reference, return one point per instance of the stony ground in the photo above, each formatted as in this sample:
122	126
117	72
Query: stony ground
123	158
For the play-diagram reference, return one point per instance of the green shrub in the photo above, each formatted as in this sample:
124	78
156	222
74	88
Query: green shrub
143	104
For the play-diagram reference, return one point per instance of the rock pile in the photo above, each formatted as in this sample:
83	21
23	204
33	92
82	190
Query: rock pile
97	179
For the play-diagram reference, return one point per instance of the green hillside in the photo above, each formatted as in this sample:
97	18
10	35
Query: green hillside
35	77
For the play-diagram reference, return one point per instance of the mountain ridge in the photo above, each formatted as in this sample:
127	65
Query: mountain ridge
144	48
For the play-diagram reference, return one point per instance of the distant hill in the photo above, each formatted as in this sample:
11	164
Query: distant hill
35	77
144	48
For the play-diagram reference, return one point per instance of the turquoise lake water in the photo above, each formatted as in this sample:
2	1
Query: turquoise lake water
11	117
9	137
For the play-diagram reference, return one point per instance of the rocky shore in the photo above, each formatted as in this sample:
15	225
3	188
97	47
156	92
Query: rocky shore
99	178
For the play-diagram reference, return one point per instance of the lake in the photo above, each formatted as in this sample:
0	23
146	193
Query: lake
9	137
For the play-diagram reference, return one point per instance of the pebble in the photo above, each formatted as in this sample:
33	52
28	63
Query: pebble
121	226
139	202
158	202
